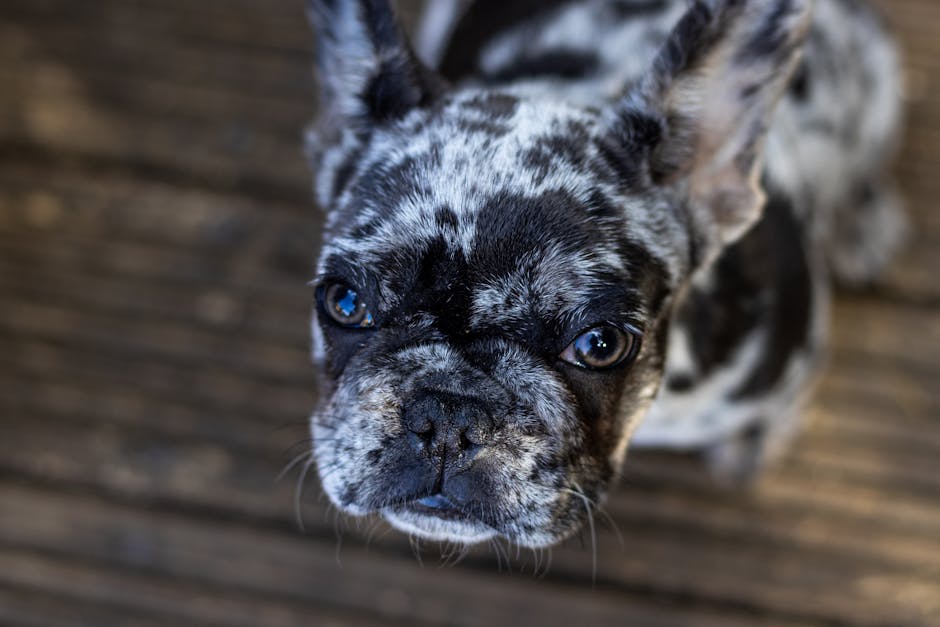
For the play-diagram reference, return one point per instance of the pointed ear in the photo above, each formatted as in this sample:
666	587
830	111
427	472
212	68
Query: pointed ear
367	71
711	94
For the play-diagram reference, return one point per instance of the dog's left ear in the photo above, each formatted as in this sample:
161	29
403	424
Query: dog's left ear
701	112
367	71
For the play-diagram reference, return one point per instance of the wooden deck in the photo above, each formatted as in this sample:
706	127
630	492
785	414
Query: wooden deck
155	236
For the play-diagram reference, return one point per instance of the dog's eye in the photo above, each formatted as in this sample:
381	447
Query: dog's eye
601	348
344	306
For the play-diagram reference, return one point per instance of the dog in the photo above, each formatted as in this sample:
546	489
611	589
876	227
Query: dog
568	225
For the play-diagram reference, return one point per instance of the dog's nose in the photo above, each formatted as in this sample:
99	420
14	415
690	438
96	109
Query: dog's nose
442	425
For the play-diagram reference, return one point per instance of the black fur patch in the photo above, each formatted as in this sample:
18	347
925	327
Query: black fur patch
788	316
494	105
771	38
559	63
763	280
484	21
632	9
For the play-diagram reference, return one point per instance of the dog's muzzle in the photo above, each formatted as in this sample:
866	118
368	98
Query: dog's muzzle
447	432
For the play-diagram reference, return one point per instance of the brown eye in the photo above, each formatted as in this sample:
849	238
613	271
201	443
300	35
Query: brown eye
601	348
344	306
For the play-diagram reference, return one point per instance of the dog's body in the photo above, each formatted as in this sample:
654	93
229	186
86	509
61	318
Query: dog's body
595	171
748	336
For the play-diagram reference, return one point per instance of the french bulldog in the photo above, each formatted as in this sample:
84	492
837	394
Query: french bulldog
568	225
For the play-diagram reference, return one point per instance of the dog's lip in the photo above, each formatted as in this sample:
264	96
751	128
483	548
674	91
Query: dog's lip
436	501
437	505
437	517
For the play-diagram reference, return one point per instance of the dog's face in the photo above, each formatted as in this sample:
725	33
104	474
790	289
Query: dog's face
494	290
491	326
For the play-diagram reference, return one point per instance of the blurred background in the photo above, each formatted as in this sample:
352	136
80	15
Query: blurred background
156	234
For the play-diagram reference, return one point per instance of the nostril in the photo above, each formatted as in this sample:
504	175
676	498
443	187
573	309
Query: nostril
421	436
417	418
475	435
478	425
441	424
466	443
421	442
420	428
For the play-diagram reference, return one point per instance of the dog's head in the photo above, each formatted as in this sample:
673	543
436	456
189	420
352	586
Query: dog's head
496	279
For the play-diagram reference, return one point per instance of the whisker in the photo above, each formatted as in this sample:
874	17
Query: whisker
612	523
298	495
337	523
492	544
290	465
590	515
415	543
546	558
303	442
537	560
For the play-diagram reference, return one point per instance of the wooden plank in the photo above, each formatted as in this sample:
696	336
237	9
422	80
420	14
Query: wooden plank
260	562
221	153
163	100
37	608
206	475
277	75
222	309
203	391
163	342
791	488
146	262
114	203
865	420
259	430
278	24
33	583
867	327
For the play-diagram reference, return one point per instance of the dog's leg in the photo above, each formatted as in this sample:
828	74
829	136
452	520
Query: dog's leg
741	460
866	233
738	461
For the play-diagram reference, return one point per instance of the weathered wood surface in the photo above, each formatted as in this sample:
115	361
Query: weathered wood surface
155	237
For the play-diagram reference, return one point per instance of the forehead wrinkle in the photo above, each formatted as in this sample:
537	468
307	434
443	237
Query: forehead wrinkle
460	170
460	152
549	284
457	168
451	167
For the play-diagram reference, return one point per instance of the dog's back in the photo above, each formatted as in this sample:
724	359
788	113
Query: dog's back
749	334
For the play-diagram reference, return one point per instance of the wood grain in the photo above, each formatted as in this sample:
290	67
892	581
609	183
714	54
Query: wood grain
156	235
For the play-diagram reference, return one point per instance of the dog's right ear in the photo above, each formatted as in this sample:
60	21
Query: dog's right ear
367	71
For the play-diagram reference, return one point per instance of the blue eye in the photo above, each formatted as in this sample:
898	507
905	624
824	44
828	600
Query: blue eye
344	306
600	348
348	304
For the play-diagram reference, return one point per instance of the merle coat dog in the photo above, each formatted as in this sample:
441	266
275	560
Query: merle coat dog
576	224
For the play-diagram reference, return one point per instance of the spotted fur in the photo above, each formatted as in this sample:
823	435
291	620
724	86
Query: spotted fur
565	164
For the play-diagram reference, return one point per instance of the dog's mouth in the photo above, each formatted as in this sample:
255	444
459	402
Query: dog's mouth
437	517
437	505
